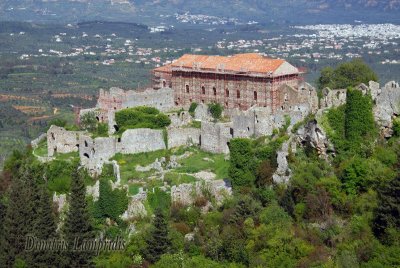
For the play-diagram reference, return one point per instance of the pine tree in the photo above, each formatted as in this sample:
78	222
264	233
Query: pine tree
158	243
78	223
45	229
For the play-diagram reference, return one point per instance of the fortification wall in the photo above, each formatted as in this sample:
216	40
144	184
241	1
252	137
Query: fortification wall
135	141
60	140
183	136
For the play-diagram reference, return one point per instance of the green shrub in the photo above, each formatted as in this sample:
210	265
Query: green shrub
215	110
242	165
89	122
159	199
192	108
359	119
111	203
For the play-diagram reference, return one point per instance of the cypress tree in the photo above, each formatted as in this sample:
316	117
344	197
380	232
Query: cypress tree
78	224
158	243
17	223
45	229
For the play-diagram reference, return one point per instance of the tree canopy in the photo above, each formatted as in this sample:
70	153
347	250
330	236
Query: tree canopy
346	74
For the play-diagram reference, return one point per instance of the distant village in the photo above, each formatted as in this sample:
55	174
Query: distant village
306	43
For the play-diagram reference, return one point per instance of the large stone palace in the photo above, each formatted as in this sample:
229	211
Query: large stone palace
238	81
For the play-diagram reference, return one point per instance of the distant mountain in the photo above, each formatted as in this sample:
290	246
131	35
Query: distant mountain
149	11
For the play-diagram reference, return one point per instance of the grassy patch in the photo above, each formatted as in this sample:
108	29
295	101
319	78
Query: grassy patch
41	150
200	160
134	188
69	157
173	178
128	164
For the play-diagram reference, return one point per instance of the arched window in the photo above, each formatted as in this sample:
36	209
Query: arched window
164	84
203	90
238	94
187	88
255	95
227	93
215	91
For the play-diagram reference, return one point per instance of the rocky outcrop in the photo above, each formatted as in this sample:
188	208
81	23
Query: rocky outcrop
94	191
136	209
312	134
387	107
283	172
187	193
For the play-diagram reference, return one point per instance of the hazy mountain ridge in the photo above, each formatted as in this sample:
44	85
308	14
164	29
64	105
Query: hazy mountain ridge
284	11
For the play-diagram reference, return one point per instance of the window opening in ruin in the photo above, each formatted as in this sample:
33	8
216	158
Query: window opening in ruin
255	95
119	139
203	90
187	88
98	119
77	146
215	91
52	136
86	144
85	154
282	108
248	129
238	94
55	150
115	108
226	104
231	131
116	128
202	101
227	93
164	84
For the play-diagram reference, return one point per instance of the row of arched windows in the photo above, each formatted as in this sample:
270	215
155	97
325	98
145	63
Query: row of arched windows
203	91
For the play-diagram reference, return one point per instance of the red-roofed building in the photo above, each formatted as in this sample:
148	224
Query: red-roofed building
238	81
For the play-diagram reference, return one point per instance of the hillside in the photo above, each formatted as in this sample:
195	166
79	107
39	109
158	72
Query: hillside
286	11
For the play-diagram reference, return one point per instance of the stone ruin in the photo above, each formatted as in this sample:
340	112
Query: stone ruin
214	137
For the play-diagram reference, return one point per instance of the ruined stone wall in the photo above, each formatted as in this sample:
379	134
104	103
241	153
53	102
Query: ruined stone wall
60	140
243	124
332	98
94	153
117	99
183	136
180	119
215	137
135	141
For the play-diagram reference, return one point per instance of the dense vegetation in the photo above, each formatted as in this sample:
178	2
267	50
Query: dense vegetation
141	117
